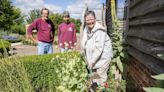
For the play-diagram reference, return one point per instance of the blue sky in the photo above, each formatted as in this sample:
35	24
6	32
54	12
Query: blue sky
75	7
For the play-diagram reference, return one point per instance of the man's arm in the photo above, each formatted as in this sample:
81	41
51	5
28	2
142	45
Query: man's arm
29	31
30	36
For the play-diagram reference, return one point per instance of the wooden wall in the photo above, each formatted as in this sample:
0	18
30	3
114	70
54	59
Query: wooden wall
145	39
108	18
144	36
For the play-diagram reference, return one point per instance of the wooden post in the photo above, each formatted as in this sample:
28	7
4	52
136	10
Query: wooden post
26	30
102	15
83	24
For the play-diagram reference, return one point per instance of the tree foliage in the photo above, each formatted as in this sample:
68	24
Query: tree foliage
6	11
10	17
18	26
33	14
78	24
57	19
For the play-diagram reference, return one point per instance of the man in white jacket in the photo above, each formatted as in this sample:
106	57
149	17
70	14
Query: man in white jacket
97	47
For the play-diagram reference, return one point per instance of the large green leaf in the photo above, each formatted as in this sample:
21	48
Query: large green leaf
153	89
122	55
119	64
159	77
113	69
161	56
120	48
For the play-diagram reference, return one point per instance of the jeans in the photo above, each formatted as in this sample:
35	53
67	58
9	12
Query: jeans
44	48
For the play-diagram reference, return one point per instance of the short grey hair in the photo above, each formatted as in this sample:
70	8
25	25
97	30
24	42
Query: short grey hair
88	13
66	13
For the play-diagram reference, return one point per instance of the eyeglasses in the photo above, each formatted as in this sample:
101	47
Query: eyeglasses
89	20
65	16
45	13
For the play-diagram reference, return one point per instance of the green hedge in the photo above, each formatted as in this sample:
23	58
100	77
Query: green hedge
43	73
4	48
13	76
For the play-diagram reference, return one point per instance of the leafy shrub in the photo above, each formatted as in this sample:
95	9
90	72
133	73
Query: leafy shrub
13	76
2	32
4	48
19	29
44	73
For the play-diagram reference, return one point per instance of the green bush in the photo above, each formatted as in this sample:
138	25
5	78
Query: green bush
44	73
4	48
19	29
13	76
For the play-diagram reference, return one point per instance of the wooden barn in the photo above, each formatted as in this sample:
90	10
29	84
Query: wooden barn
144	36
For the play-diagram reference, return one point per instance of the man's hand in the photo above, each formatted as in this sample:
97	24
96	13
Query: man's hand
75	44
33	39
36	41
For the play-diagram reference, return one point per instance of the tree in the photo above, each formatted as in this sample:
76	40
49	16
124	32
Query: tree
78	24
33	14
10	17
56	19
6	11
18	19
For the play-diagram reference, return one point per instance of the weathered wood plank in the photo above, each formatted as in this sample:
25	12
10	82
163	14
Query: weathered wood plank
148	6
146	46
137	69
134	3
153	33
145	37
147	21
154	64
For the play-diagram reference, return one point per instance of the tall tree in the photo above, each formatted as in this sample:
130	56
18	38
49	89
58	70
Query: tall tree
78	24
56	19
6	11
17	17
18	20
33	14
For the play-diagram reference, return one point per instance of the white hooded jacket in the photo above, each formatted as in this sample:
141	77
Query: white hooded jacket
97	46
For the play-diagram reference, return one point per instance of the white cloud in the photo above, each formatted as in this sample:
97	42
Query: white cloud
27	5
77	8
120	10
53	8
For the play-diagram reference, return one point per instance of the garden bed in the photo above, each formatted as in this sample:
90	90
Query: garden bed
61	72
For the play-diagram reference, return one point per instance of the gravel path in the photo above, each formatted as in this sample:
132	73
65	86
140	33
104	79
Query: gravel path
23	50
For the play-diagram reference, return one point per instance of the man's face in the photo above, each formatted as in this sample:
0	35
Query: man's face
90	21
66	18
45	14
